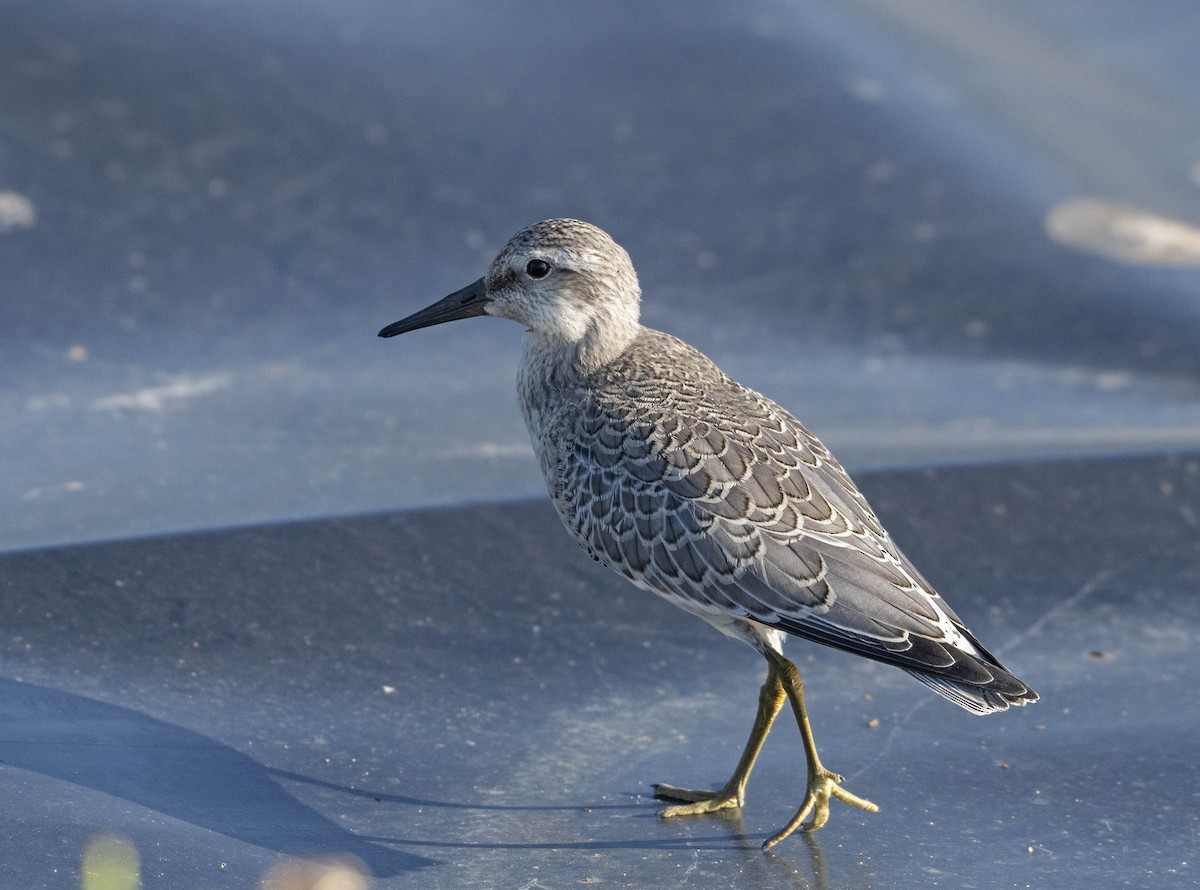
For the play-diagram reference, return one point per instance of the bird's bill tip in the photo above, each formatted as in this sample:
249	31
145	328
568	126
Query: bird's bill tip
472	300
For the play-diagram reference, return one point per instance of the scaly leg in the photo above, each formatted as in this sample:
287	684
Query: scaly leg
770	700
822	784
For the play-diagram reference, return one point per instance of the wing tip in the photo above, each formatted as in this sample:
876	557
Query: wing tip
1003	692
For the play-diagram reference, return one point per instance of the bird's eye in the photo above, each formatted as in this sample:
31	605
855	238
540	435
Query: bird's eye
537	268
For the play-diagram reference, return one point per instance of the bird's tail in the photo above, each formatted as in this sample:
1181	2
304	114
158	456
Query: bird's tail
999	693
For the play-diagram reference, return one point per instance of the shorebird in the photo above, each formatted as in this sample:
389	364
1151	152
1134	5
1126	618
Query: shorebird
710	495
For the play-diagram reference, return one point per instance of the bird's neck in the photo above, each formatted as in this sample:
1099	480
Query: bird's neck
553	370
604	340
587	349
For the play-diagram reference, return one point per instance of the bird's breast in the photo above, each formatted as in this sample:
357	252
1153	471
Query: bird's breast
547	391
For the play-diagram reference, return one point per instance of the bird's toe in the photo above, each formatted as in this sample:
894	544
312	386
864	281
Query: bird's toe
822	787
694	802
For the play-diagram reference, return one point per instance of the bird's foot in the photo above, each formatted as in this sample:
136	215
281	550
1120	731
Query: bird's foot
822	786
696	803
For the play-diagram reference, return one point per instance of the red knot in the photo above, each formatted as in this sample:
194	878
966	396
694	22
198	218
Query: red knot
711	495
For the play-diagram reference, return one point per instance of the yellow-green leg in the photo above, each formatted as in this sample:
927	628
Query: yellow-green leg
770	700
783	683
822	784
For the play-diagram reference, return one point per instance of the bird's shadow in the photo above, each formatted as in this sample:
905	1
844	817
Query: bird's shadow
172	770
194	778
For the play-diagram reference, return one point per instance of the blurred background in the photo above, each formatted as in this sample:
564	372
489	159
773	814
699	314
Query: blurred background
945	234
936	231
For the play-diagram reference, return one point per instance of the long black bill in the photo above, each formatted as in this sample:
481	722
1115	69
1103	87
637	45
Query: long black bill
472	300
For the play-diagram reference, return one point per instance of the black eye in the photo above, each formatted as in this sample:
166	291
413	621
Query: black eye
537	268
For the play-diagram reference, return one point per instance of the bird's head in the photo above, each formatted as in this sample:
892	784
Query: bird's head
567	281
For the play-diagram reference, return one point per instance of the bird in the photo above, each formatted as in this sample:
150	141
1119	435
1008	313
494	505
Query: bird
710	495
